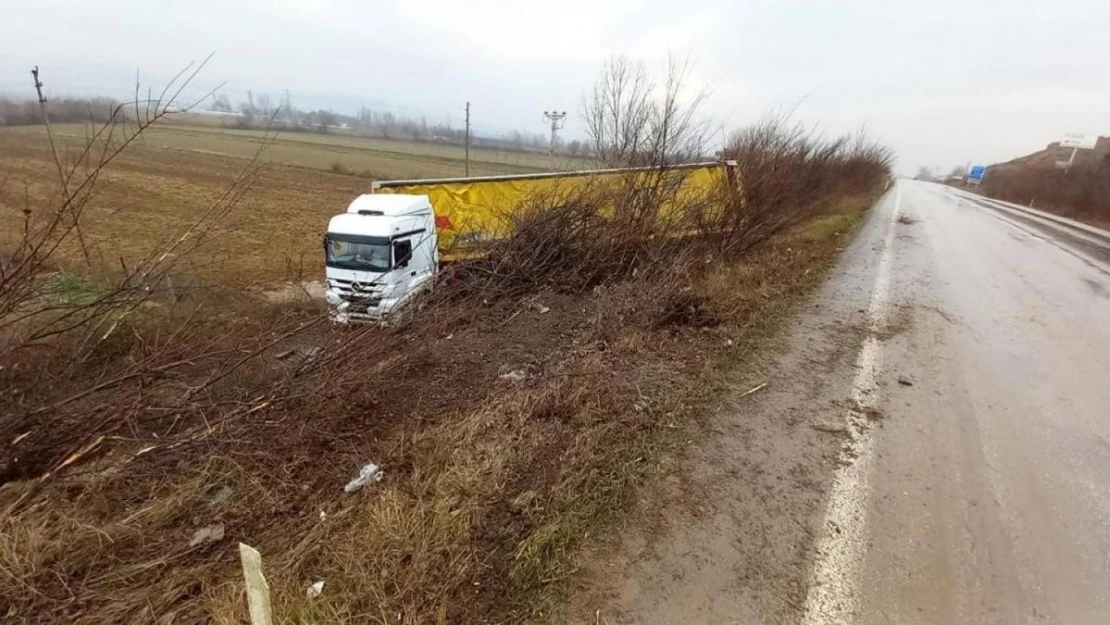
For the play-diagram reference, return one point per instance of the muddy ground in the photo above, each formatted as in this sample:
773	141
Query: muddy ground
726	533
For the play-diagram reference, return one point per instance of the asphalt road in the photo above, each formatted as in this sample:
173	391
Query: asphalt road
932	445
979	489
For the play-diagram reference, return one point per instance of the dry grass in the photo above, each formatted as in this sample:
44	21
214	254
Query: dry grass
389	158
163	182
273	235
491	485
187	415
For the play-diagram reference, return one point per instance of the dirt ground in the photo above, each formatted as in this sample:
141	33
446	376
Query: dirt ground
725	533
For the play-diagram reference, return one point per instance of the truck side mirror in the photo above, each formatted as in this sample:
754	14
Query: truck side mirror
402	253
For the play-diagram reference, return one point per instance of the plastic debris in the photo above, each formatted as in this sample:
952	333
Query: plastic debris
307	353
315	589
221	496
904	381
514	376
369	473
207	534
544	310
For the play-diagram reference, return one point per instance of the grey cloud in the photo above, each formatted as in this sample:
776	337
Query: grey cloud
944	82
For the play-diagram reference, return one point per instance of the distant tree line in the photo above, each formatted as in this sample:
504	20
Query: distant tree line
260	111
263	111
28	112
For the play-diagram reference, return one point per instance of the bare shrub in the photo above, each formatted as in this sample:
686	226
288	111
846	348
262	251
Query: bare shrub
30	311
78	344
566	245
865	164
638	224
1082	192
789	173
631	121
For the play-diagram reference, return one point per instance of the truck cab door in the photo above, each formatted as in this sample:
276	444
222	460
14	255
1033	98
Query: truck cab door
412	263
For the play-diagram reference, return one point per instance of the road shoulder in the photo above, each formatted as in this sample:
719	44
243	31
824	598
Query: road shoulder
726	531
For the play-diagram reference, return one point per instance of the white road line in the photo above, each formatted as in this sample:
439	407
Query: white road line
832	596
1091	261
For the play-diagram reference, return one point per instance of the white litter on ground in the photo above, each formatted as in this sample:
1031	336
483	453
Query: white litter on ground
369	473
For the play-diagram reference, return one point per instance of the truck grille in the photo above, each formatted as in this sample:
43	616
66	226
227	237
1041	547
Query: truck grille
356	290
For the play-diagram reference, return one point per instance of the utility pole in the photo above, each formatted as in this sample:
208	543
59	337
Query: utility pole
556	119
38	85
58	164
468	139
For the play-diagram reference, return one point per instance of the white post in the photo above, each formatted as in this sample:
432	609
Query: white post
258	591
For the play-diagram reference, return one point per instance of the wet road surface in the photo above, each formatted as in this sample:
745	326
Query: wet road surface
986	492
933	445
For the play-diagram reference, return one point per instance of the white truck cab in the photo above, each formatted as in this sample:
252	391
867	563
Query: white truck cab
378	254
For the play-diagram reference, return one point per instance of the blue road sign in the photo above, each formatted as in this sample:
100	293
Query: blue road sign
975	173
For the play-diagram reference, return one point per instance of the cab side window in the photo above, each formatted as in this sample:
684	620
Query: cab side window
402	253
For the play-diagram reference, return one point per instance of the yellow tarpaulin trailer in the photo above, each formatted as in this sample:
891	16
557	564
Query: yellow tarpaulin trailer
470	212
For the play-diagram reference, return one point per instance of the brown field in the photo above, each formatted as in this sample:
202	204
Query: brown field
162	183
373	157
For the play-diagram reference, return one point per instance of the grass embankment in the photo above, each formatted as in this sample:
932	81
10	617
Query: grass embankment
748	303
145	435
1081	192
491	483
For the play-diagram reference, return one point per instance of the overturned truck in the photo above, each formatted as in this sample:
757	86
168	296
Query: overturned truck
388	246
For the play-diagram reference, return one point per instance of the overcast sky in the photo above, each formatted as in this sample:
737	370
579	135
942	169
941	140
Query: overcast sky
942	82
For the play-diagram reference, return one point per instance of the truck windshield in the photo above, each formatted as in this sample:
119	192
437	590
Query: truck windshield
354	252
